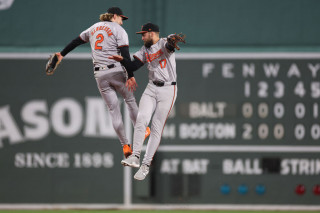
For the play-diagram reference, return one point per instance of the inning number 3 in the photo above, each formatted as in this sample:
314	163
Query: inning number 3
100	39
163	63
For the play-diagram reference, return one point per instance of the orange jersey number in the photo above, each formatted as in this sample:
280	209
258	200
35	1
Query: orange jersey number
163	63
100	39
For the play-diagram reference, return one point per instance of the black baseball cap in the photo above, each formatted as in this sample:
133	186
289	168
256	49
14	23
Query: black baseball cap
118	11
149	27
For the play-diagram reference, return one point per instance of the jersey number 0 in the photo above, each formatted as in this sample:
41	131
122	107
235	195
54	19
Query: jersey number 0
100	39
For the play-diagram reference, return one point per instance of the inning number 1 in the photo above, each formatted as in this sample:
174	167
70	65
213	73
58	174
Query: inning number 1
163	63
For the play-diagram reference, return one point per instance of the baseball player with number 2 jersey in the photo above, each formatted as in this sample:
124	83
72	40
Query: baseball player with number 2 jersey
158	97
107	38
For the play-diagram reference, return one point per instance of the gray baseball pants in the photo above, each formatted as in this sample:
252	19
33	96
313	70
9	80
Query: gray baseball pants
159	102
110	82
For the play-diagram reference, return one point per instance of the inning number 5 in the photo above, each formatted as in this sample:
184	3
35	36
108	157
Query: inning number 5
163	63
100	39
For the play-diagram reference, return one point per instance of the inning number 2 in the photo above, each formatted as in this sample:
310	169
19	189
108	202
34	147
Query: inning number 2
100	39
163	63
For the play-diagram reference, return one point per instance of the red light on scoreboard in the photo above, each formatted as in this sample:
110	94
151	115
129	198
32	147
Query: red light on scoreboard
316	189
300	189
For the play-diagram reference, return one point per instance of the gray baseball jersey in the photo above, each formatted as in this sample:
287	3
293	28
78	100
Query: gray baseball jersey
105	39
161	62
156	101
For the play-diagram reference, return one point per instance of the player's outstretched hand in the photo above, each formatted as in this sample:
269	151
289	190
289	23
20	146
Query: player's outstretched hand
53	63
60	57
131	84
116	57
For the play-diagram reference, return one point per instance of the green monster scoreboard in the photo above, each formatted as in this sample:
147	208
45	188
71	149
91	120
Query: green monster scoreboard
248	127
244	131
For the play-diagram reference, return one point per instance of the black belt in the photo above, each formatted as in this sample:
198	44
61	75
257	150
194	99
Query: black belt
103	68
161	83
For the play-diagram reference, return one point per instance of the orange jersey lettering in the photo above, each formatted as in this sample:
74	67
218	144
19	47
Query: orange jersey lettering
104	28
151	57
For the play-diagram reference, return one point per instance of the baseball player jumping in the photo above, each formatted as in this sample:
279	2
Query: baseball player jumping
107	38
159	95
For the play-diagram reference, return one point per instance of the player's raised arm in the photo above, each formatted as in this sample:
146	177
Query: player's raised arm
73	44
56	58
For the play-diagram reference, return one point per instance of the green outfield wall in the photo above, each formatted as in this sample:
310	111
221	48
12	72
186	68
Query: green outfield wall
244	131
207	23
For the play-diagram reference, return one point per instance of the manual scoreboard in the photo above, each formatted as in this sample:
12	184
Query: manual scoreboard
245	130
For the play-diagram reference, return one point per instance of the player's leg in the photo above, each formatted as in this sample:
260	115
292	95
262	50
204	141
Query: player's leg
146	108
165	101
119	82
110	97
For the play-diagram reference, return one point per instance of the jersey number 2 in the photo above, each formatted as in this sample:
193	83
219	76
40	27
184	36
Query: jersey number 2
163	63
100	39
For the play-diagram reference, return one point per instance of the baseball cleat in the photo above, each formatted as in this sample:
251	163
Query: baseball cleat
142	172
127	151
147	133
132	161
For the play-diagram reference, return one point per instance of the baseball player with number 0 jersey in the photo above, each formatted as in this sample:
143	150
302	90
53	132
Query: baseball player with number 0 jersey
107	38
158	97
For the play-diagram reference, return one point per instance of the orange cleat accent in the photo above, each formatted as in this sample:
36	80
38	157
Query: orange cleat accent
127	151
147	133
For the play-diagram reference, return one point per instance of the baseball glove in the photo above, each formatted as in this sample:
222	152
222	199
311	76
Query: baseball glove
174	39
52	64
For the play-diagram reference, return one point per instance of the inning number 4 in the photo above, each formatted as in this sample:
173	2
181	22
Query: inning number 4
163	63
